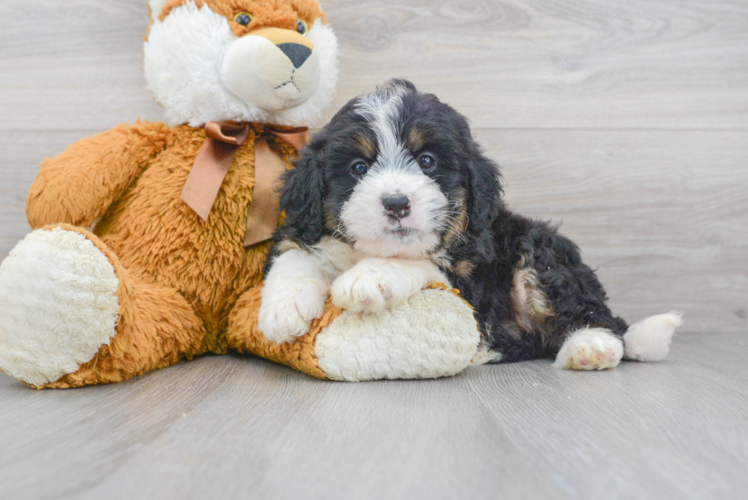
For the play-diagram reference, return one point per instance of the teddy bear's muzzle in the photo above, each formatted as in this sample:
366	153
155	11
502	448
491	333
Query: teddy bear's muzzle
273	68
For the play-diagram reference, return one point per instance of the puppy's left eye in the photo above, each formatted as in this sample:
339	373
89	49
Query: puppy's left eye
301	26
359	168
427	162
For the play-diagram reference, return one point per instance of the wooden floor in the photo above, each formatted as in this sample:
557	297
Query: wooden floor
237	427
625	119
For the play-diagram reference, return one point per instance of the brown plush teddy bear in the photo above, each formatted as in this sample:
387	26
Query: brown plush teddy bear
150	239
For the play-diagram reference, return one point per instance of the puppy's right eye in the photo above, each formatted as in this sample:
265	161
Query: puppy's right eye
243	18
359	168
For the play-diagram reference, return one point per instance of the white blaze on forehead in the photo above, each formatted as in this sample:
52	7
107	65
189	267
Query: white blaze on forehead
382	109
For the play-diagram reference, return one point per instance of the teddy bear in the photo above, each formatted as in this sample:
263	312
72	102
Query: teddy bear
149	240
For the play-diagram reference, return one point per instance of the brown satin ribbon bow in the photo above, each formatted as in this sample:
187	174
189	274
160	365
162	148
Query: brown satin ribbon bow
214	160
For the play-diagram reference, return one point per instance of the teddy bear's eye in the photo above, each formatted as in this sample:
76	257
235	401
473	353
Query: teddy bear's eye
243	18
301	26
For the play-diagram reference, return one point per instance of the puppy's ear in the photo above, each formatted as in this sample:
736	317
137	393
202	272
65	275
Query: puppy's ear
302	198
485	189
485	200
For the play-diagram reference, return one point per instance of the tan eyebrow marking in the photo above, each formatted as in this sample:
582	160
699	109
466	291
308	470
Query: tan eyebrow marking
365	146
416	139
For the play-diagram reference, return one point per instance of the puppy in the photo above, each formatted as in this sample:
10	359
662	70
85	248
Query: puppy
395	193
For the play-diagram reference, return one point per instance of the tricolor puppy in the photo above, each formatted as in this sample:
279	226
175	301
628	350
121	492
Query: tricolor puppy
395	193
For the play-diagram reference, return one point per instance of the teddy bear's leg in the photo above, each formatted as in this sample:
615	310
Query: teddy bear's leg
71	315
244	336
432	334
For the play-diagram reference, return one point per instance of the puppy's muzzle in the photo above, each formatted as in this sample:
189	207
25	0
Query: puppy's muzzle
396	207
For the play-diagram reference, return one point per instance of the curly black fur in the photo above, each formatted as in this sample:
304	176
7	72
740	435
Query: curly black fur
576	296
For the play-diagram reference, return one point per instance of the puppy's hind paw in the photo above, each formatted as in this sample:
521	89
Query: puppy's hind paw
590	349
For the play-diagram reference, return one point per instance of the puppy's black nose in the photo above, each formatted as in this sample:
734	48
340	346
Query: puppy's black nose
396	207
297	53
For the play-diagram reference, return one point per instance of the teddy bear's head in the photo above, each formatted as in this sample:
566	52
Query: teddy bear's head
271	61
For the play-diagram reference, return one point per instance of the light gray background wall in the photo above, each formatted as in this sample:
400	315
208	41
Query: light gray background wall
625	119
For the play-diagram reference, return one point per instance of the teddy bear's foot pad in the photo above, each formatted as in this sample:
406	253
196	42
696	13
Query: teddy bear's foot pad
432	334
58	305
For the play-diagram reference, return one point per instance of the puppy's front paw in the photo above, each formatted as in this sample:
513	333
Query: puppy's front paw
286	315
371	288
590	349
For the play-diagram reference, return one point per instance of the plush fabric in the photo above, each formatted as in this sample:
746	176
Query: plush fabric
184	48
184	274
58	305
244	336
120	276
433	334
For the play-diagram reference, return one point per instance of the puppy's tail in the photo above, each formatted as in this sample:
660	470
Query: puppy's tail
649	339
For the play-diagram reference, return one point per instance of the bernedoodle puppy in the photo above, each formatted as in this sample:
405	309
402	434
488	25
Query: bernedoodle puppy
395	193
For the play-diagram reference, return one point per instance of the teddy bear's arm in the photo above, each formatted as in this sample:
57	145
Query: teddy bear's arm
78	186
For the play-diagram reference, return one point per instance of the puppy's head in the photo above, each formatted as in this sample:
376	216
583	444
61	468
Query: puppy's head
272	61
396	173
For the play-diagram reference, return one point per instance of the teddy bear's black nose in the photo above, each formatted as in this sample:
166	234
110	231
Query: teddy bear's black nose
297	53
396	207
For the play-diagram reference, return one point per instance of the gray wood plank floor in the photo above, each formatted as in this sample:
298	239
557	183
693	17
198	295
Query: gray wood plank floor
236	427
625	119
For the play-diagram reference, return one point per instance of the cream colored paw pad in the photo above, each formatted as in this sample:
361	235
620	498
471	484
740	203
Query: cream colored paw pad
58	305
590	349
433	334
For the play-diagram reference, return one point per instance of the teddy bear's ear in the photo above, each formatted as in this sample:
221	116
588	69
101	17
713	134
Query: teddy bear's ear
156	7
